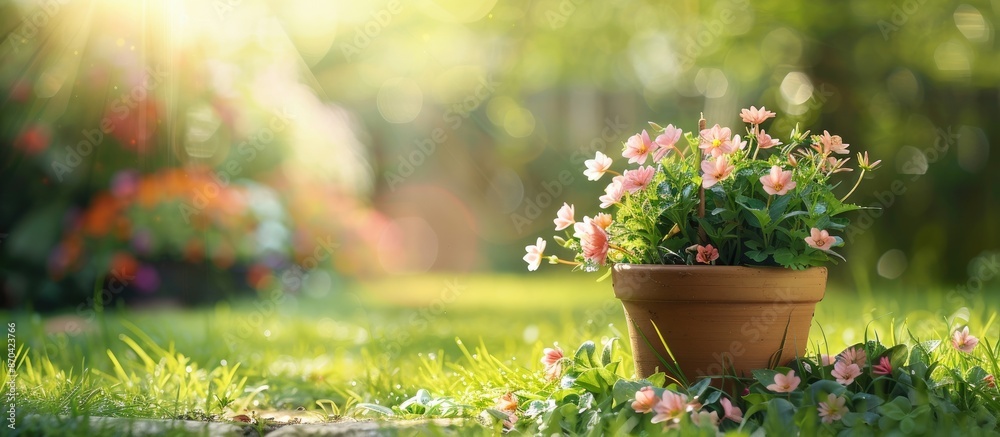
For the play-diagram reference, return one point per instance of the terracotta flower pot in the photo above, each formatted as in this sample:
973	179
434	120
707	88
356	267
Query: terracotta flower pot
712	316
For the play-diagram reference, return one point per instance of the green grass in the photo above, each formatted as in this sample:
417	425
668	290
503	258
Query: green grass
374	343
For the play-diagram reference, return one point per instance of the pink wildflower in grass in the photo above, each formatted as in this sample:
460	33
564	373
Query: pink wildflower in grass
645	400
706	254
638	147
884	367
671	406
507	403
845	373
731	411
597	167
786	383
564	218
854	355
764	141
700	417
755	116
820	239
534	255
638	179
833	409
717	141
552	359
777	182
825	360
964	341
614	192
666	142
990	381
715	171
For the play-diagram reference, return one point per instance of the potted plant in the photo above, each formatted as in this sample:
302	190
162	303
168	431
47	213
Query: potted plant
715	242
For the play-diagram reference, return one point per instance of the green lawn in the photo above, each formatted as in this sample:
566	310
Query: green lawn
376	342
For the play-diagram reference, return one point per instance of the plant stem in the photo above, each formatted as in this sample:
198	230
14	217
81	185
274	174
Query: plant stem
862	175
701	189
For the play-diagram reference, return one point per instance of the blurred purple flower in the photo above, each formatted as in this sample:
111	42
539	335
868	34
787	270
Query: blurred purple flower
147	280
142	242
124	183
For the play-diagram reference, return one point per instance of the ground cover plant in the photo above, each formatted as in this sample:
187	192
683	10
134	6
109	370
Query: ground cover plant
414	349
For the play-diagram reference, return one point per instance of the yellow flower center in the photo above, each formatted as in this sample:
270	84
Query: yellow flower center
716	142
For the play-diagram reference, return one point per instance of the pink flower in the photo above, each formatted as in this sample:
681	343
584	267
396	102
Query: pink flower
706	254
701	417
667	141
831	144
715	171
820	239
990	381
614	192
597	167
884	367
638	147
564	218
785	383
845	373
825	360
777	182
738	143
507	402
964	341
731	412
593	241
603	220
854	355
638	179
552	359
534	255
717	140
833	409
764	141
645	400
755	116
671	406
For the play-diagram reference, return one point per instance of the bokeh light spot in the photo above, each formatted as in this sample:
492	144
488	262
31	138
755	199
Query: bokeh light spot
796	88
400	100
519	123
408	245
892	264
971	23
711	82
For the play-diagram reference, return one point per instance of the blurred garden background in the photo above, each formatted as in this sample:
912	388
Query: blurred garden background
164	153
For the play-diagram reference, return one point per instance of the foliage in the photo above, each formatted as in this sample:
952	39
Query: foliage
901	390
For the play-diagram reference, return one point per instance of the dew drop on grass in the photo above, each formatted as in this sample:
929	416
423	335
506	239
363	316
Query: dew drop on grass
187	369
433	356
398	387
354	384
224	363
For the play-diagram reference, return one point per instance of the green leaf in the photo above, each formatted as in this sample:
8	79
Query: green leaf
376	408
658	379
779	206
624	390
597	380
608	351
756	255
585	354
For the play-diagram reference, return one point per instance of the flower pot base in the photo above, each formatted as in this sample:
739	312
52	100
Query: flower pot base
717	319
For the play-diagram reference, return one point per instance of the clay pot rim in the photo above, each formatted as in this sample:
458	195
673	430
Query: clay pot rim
738	285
